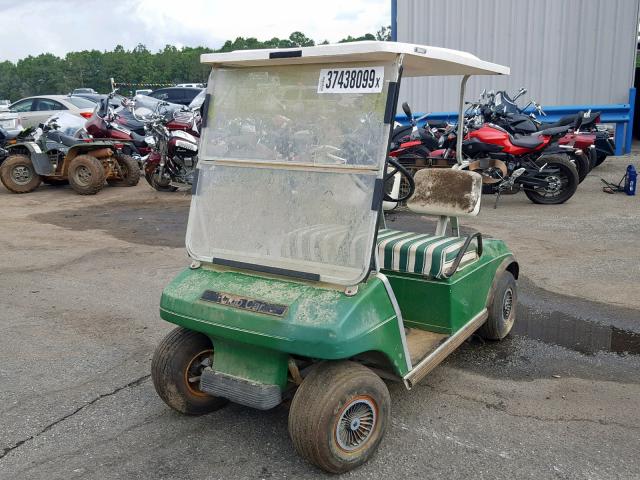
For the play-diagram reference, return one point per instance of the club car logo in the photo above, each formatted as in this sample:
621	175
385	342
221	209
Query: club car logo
250	304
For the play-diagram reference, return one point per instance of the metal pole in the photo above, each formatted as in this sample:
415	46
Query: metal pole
463	84
394	20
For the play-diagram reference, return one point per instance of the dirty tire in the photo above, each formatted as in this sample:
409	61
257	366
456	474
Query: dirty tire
130	170
331	398
86	175
18	175
176	353
55	181
502	308
159	186
582	166
567	170
600	157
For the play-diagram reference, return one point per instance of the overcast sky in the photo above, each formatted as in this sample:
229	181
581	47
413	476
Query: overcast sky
31	27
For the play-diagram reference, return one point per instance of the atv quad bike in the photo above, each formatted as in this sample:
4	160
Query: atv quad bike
48	155
296	289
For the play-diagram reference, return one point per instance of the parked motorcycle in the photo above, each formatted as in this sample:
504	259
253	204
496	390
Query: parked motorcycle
105	123
174	155
535	164
501	109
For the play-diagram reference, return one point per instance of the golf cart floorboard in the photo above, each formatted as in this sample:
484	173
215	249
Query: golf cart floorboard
421	343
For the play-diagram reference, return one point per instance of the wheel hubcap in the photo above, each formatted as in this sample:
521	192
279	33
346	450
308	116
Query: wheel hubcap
356	423
21	174
194	370
507	304
83	175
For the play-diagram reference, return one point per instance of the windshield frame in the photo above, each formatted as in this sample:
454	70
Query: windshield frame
367	180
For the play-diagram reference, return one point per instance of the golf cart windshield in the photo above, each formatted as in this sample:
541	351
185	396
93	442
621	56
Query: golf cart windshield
288	168
293	150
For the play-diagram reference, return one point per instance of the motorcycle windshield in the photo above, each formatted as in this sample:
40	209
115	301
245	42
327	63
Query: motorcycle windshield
67	123
290	169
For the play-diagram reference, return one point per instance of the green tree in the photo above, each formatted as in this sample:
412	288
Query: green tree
384	34
47	73
299	39
366	36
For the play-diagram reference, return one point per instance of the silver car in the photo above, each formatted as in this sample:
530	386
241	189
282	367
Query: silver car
32	111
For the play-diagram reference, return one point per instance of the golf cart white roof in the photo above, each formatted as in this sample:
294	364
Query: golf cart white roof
419	60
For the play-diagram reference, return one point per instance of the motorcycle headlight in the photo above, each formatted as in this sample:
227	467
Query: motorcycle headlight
150	140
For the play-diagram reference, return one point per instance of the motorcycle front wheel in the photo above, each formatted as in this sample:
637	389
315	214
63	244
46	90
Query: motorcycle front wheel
562	181
163	185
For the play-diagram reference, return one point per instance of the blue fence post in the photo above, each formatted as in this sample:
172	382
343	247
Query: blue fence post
619	138
629	132
394	20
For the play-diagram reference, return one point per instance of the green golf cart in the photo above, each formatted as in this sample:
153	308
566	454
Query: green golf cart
297	291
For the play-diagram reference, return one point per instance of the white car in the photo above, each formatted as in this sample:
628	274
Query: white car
33	111
191	85
4	105
10	123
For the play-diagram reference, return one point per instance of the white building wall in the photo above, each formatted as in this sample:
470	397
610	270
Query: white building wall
565	52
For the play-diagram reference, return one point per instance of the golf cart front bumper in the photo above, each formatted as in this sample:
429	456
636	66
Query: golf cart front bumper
240	390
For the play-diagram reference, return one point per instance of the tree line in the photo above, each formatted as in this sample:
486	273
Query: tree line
49	74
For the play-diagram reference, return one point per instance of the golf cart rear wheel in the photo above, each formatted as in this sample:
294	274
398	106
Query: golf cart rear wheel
502	308
86	175
18	175
176	368
130	172
339	415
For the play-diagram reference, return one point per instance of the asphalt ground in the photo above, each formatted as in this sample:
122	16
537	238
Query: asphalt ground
80	281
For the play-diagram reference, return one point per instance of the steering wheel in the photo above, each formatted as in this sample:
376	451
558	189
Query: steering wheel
397	167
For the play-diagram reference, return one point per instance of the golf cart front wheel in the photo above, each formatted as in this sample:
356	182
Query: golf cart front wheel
502	308
18	175
339	415
176	368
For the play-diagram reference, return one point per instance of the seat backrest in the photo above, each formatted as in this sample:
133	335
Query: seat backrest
446	192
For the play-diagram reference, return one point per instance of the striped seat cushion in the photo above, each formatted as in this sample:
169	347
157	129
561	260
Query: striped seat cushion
424	254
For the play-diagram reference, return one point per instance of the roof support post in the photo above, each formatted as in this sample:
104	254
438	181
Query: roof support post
463	84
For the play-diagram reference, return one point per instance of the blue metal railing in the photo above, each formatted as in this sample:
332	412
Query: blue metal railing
619	114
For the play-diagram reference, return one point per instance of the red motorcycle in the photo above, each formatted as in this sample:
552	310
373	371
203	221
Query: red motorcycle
121	125
173	137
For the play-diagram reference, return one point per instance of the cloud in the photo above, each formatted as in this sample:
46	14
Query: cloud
31	27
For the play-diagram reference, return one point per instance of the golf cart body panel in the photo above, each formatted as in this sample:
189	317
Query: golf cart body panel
320	321
284	315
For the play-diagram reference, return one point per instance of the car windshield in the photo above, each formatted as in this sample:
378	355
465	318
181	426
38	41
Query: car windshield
81	102
288	168
198	100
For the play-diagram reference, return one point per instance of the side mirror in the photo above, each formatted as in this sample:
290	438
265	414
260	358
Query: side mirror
407	111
